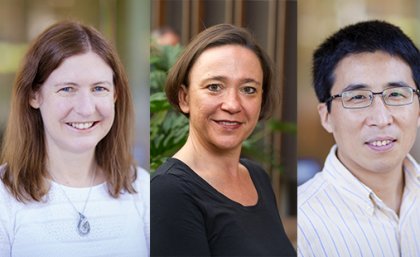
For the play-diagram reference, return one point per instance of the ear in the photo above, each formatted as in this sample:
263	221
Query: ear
325	117
184	99
35	100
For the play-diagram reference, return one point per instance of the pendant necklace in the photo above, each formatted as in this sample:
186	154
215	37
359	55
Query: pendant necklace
83	226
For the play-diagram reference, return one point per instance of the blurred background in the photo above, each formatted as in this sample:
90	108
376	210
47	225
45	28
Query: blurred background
125	23
316	21
174	23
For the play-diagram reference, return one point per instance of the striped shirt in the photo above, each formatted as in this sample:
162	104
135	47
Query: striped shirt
340	216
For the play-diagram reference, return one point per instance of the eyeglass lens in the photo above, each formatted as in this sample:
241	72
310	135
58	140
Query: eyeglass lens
391	96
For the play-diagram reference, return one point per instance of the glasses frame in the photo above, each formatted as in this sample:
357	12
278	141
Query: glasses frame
415	91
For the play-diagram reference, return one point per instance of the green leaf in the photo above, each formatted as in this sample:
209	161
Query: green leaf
158	103
282	126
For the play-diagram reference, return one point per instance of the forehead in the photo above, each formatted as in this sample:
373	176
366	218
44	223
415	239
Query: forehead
82	67
373	70
229	60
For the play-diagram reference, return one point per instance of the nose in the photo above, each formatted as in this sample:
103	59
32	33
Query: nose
84	104
231	101
379	113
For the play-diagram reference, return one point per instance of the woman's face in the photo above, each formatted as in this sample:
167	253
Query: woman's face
77	103
224	97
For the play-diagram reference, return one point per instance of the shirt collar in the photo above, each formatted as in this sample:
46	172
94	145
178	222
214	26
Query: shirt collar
412	174
347	183
362	195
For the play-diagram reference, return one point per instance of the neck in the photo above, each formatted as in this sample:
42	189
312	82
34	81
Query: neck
208	161
73	169
388	186
390	190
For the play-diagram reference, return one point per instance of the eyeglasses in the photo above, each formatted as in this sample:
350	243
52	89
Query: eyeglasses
356	99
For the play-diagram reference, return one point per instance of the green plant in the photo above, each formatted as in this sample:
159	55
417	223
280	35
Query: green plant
168	129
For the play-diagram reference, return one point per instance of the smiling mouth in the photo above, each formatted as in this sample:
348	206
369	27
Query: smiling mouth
81	125
381	143
228	123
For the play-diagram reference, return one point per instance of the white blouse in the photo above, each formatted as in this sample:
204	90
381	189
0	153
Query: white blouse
118	227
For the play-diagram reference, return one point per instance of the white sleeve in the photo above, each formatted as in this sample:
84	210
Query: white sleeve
143	202
5	222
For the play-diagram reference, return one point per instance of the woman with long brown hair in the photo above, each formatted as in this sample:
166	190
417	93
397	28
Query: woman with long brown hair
69	186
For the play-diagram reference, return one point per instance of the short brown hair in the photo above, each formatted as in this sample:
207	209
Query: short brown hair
24	150
219	35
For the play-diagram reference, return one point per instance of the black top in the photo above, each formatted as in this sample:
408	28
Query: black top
191	218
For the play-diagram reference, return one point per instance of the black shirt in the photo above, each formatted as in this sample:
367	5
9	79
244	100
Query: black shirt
191	218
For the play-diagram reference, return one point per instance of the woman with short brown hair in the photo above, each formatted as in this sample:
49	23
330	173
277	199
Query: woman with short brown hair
207	201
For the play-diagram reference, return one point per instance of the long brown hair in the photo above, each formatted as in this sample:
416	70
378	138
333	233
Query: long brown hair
24	149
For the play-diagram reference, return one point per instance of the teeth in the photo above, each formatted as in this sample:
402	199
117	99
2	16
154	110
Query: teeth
229	122
83	125
381	142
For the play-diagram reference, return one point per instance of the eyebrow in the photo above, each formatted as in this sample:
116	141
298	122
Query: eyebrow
365	86
65	84
398	84
224	79
75	84
103	82
355	87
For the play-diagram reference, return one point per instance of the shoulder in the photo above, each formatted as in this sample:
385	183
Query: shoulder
5	195
142	183
172	184
171	167
171	175
8	204
255	169
142	197
313	188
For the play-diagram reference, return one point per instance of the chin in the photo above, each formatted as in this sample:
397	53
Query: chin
228	145
383	167
82	147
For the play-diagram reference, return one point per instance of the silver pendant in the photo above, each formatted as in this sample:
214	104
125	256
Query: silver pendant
83	227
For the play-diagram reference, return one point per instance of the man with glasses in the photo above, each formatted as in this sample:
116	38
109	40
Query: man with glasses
366	200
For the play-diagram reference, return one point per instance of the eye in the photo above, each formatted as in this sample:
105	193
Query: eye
397	94
66	90
249	90
99	89
214	87
358	97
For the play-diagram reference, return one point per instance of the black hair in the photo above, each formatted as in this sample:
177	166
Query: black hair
367	36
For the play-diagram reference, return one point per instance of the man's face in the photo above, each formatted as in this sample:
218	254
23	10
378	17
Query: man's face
375	139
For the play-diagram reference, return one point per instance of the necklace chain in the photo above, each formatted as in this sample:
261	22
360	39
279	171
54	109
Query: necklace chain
68	199
83	226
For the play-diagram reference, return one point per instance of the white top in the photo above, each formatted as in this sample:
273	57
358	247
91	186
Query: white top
340	216
118	227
